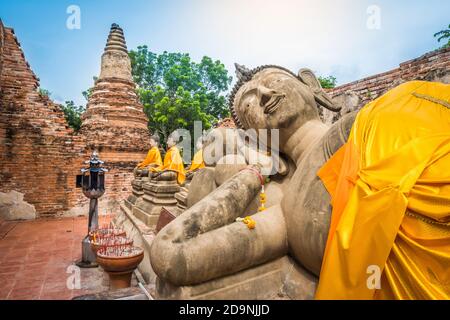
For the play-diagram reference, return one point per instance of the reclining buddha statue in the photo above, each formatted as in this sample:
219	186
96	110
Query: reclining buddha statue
360	210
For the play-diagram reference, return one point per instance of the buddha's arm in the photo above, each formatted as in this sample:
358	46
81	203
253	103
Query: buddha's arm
205	243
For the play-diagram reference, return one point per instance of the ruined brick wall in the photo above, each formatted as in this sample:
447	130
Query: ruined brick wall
39	154
226	123
433	66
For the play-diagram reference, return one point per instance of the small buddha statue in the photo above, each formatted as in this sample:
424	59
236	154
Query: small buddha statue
172	168
197	161
153	158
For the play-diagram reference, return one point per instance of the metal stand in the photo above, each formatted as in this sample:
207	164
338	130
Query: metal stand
93	214
92	182
88	257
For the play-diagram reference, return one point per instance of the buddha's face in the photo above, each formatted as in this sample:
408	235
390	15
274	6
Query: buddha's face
153	143
199	144
274	99
170	142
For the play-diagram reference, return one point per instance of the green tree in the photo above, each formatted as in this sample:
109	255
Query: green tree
72	114
177	91
444	35
327	82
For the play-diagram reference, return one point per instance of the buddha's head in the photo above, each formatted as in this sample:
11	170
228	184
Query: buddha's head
272	97
154	141
199	143
173	139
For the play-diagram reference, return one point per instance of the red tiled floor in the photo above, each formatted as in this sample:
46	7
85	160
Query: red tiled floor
35	255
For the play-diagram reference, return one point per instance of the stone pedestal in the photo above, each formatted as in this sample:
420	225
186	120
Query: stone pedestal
168	214
137	191
157	194
278	279
181	198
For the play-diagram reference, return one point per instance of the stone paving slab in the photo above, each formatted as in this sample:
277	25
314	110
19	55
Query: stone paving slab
5	227
35	257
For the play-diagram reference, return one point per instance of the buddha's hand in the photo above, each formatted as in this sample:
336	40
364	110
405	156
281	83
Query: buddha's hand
166	175
189	175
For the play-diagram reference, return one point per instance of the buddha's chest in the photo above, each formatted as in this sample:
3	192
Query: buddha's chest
307	211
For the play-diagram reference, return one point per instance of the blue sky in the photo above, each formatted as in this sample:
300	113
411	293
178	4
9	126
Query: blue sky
330	37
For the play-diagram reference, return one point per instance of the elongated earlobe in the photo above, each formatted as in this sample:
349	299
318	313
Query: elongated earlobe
322	98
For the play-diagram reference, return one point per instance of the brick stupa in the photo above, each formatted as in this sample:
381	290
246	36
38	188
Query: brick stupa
114	122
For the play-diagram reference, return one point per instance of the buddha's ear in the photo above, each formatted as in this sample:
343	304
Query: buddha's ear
321	97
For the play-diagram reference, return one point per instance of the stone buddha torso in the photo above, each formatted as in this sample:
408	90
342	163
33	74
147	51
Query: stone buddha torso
306	206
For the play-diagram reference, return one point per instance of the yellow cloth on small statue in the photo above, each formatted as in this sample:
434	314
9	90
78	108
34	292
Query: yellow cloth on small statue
173	162
153	157
197	161
390	189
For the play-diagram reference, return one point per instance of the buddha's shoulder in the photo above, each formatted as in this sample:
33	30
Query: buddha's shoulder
338	134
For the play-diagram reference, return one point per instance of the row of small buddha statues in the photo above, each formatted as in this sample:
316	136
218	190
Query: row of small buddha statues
172	165
161	186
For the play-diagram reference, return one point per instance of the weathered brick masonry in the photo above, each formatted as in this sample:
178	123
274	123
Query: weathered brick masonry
38	151
40	155
433	66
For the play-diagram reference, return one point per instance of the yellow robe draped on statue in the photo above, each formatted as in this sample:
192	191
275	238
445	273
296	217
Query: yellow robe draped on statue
390	189
197	161
173	162
153	157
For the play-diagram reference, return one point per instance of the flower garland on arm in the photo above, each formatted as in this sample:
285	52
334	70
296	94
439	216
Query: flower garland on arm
248	220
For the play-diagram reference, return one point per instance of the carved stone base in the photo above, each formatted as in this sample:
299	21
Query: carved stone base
277	279
157	194
136	192
181	198
168	214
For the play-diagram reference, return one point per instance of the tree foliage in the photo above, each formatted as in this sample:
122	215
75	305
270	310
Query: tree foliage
444	35
44	92
72	114
327	82
87	93
177	91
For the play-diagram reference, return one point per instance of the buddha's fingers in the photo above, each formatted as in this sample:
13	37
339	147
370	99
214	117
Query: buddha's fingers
219	252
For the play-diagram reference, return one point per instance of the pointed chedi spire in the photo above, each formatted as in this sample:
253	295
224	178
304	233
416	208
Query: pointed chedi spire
116	40
115	60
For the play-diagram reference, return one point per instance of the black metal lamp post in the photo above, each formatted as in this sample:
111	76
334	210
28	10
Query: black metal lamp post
92	182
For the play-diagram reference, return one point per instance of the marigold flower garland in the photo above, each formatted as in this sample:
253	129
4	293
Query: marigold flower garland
249	221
